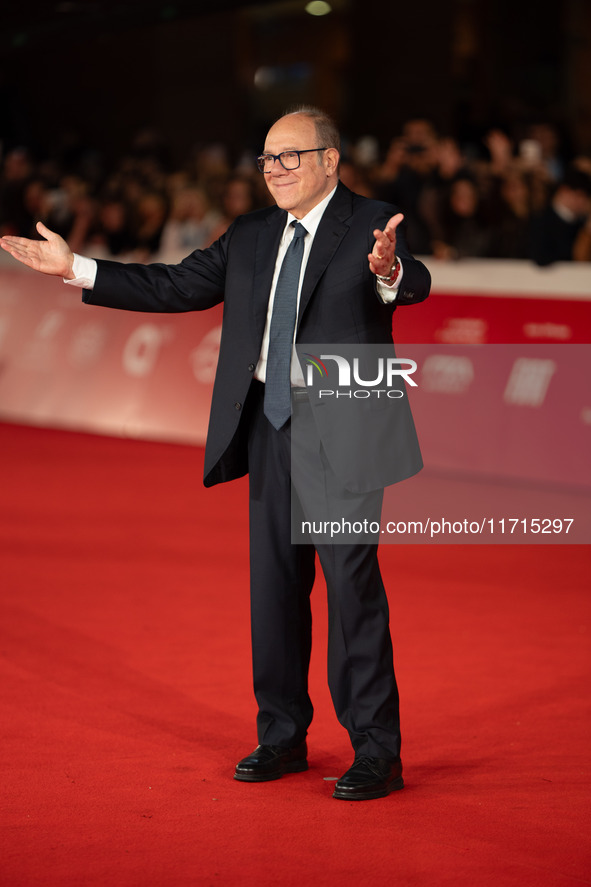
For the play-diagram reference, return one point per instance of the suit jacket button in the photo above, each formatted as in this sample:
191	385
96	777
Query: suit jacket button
251	367
238	406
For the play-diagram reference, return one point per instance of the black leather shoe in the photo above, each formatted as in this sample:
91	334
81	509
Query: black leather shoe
271	762
369	778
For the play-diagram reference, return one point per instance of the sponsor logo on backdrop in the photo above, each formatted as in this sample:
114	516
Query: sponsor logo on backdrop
529	381
204	358
447	373
142	349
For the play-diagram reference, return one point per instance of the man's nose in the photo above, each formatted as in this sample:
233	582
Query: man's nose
277	168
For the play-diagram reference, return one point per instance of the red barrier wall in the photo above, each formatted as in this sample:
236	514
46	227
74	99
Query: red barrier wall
67	364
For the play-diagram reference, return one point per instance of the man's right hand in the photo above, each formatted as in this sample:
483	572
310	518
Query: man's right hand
51	256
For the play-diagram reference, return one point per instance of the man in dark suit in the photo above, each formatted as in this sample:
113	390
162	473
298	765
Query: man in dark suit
353	268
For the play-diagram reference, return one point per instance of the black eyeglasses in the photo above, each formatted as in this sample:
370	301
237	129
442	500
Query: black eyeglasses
287	159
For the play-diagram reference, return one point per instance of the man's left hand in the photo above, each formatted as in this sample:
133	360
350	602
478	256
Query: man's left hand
381	258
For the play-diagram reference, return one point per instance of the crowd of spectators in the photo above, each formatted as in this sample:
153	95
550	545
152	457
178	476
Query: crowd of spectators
501	198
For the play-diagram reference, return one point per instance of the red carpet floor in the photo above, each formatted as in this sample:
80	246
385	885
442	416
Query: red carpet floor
125	695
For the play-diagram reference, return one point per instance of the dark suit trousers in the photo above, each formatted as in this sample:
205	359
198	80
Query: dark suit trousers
360	667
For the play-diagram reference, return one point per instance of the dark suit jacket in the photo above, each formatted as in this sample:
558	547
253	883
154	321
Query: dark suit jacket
339	304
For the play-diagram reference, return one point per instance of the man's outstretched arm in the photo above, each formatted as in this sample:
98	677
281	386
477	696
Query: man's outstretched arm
195	284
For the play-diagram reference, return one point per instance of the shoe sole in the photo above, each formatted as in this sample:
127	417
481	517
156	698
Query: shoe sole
293	767
394	786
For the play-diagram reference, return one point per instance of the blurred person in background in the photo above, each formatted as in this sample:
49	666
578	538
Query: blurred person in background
554	232
111	235
543	145
17	170
72	211
36	205
238	197
355	178
358	165
384	174
190	225
210	168
435	195
504	184
464	232
582	247
410	162
512	208
148	220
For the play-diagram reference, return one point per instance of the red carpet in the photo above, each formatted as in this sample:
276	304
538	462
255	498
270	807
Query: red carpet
125	695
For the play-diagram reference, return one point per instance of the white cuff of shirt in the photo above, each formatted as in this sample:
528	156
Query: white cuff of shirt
85	270
388	293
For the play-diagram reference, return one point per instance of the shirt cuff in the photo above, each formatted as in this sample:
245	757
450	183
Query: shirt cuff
85	270
388	293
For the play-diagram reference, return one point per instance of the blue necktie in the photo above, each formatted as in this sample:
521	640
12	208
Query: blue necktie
277	383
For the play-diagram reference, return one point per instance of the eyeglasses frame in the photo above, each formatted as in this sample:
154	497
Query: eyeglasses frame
262	157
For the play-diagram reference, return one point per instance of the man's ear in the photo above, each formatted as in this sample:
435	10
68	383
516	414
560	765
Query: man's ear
331	161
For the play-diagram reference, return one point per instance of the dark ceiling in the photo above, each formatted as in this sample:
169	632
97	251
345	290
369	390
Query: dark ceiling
24	24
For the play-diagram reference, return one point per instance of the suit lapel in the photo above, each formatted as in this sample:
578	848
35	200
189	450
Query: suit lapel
332	228
266	248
